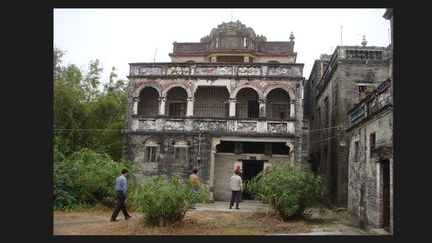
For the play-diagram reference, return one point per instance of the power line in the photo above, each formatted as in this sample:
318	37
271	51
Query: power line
325	128
88	130
324	139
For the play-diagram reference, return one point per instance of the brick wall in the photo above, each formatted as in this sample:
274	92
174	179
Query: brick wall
364	174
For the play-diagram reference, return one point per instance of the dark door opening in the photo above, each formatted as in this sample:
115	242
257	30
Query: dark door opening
385	175
251	168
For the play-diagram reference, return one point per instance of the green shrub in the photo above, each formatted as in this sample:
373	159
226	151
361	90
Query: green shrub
84	178
165	199
289	188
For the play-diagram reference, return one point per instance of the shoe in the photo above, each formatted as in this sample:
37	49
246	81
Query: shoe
113	220
230	207
128	217
237	208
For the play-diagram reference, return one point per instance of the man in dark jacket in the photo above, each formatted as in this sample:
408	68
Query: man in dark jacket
121	190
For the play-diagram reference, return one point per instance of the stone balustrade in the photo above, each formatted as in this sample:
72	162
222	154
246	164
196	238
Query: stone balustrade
216	69
219	125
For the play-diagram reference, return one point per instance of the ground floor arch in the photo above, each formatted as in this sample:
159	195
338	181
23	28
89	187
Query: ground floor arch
251	154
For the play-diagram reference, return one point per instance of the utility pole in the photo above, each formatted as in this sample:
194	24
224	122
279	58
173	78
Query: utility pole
341	35
154	58
389	35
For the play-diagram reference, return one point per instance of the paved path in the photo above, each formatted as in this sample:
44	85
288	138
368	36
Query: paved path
245	206
323	220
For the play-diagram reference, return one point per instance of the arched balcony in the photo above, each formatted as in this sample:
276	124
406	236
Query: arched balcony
278	104
148	102
247	103
176	101
211	102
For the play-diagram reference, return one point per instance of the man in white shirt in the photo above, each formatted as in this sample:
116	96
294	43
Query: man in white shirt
236	186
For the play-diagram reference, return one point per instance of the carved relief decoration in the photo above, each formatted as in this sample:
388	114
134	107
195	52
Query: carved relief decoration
247	71
246	126
150	71
178	71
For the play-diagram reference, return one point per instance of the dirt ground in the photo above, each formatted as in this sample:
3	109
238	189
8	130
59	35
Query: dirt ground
211	219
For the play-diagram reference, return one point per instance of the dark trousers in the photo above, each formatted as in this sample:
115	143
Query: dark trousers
235	195
120	205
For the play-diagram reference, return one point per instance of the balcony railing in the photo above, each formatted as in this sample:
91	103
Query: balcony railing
216	69
219	125
376	100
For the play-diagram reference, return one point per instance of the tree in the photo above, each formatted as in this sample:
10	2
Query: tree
79	103
91	81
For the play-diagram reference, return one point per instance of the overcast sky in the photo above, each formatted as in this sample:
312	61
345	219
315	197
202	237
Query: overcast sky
118	37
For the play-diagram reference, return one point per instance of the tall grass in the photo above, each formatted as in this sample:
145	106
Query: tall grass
84	177
289	188
165	199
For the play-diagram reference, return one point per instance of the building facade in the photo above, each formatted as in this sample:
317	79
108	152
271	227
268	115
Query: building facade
336	84
370	172
232	99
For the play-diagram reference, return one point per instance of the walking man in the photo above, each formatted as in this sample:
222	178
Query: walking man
121	190
236	185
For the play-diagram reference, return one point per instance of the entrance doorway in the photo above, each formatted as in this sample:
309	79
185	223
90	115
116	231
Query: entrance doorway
385	175
251	168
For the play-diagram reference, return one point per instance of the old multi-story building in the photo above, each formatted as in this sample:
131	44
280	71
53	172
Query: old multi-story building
335	85
370	173
370	182
232	99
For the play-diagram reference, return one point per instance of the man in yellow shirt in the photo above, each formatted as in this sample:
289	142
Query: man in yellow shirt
194	181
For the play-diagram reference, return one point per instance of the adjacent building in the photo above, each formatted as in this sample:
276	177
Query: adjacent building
370	187
335	85
370	172
232	99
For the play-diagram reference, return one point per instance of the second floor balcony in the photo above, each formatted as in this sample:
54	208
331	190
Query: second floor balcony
375	101
212	109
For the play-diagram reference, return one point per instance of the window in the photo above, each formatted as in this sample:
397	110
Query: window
150	153
244	42
365	89
280	111
180	154
327	112
227	105
372	141
176	109
253	109
356	151
238	147
267	148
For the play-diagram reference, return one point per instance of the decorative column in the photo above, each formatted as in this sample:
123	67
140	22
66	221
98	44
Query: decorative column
135	105
232	107
162	106
215	142
262	107
292	110
190	105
